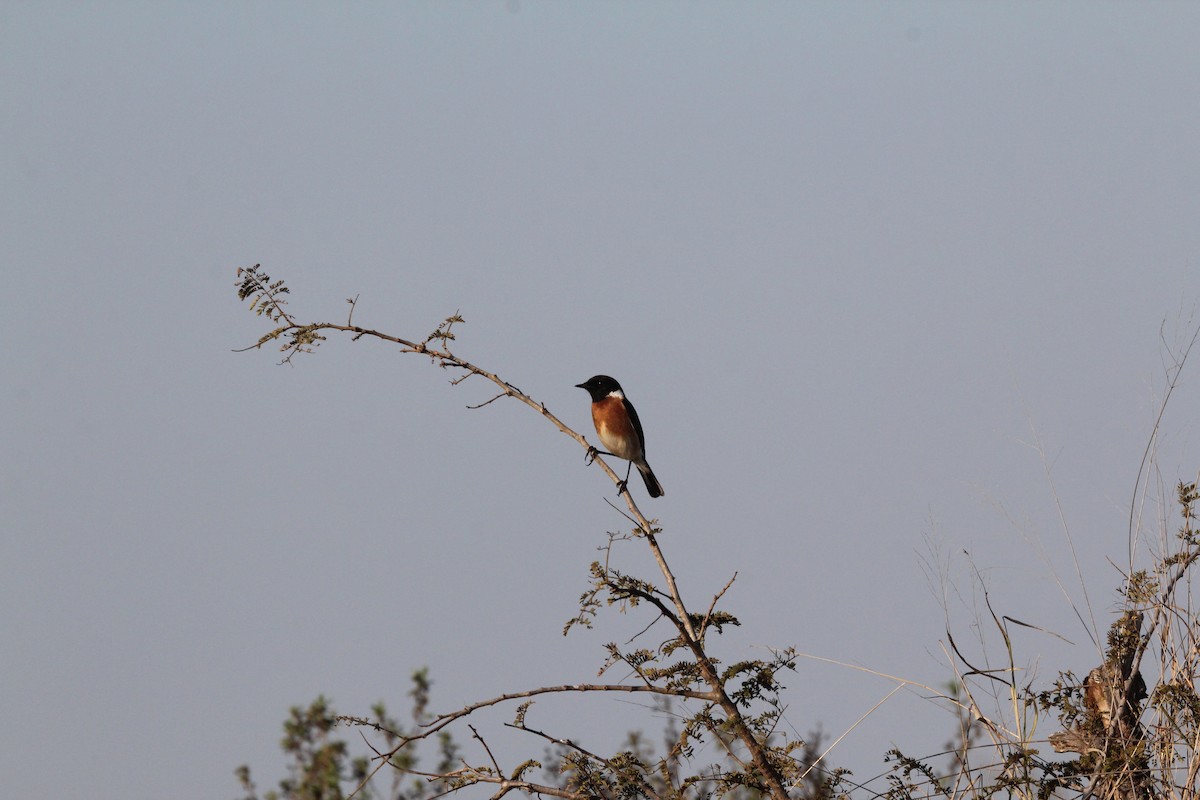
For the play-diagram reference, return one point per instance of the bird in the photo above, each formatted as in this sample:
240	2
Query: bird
619	429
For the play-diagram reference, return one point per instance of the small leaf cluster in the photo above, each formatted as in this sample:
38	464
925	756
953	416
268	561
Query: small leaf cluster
320	766
1065	696
443	333
266	300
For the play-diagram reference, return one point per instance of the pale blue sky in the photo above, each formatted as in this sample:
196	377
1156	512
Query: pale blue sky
840	255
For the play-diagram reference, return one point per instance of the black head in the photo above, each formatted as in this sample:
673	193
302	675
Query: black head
600	387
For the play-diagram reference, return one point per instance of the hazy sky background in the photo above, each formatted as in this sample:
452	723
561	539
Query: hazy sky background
850	261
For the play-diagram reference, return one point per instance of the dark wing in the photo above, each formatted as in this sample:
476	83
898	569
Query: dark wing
637	425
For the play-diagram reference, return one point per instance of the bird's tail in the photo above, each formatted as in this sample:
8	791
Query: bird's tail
652	485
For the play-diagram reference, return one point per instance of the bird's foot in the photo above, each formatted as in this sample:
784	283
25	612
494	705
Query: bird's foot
591	455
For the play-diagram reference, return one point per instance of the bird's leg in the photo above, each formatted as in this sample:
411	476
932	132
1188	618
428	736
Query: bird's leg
593	452
623	486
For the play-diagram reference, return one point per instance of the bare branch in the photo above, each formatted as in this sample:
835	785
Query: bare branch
487	749
488	402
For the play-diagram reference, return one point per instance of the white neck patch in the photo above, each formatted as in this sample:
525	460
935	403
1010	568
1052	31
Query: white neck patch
617	394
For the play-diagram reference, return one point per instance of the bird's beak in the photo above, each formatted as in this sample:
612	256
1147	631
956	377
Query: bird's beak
581	385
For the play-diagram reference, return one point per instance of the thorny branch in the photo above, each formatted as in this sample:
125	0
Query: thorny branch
297	338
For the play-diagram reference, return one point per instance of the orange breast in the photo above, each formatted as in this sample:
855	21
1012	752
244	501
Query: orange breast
614	428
